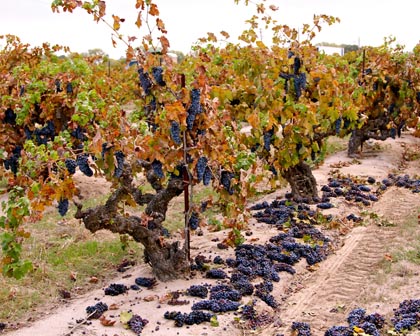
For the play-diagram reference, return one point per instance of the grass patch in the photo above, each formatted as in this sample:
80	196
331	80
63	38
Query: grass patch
65	256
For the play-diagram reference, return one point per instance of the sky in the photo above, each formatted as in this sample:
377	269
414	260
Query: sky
363	22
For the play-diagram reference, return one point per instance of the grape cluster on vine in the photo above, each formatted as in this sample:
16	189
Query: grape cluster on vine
63	206
82	161
120	164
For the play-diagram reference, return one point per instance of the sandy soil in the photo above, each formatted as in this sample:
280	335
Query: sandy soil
357	274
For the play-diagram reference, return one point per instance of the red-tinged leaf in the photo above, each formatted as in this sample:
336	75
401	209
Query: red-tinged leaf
114	43
105	322
274	8
139	20
153	10
132	38
161	25
165	44
140	4
117	21
102	8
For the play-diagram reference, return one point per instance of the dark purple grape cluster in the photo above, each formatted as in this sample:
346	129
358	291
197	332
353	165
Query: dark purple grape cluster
339	331
97	310
157	73
337	125
194	317
200	167
371	324
218	260
2	326
216	306
145	82
176	132
407	315
325	205
207	176
216	273
157	168
63	206
44	134
356	317
299	84
226	181
137	324
69	87
194	108
79	134
146	282
263	291
198	291
70	165
82	161
9	116
119	156
194	221
12	162
115	289
224	292
58	86
268	139
301	329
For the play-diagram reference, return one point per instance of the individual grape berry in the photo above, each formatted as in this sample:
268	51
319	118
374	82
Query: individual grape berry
176	132
216	273
97	310
63	206
157	168
157	73
201	167
70	165
146	282
207	176
115	289
198	291
194	221
83	164
137	324
145	82
120	164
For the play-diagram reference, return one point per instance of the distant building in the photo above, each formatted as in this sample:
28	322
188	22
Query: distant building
331	50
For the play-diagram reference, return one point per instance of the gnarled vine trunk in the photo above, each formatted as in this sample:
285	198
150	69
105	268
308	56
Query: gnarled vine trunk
302	181
168	260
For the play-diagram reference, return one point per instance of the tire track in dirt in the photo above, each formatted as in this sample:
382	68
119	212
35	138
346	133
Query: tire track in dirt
342	281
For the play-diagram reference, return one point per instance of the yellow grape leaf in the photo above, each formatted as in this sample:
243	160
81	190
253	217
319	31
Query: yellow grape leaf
125	317
117	21
138	21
